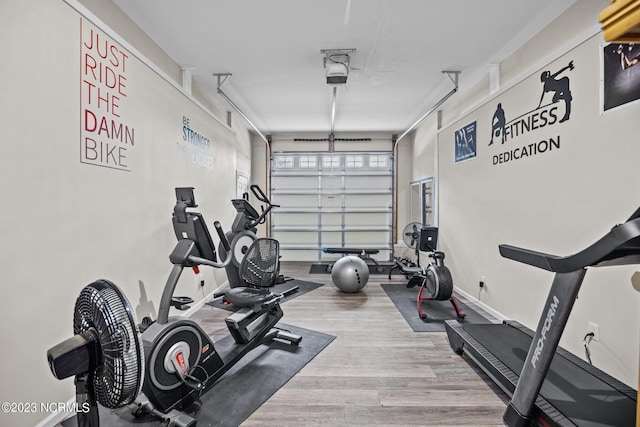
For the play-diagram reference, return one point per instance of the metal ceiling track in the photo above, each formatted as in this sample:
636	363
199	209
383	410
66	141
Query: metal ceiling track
454	77
222	77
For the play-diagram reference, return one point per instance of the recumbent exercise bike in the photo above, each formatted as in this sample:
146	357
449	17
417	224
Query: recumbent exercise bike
181	360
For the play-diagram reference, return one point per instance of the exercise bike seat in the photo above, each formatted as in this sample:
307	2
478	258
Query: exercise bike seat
247	297
259	271
412	270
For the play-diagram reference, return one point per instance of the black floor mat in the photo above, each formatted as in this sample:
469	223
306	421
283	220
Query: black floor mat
243	389
303	286
405	300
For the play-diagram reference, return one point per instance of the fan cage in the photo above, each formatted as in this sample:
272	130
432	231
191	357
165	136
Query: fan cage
411	234
117	378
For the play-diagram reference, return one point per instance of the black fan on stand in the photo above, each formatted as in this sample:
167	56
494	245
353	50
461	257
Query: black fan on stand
411	237
105	354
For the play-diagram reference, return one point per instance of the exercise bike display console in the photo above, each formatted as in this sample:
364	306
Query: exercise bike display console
551	386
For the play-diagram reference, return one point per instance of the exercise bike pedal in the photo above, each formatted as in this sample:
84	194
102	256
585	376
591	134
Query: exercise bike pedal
193	382
415	281
287	336
179	419
181	303
173	418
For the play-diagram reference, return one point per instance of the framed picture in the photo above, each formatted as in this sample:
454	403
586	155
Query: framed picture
242	184
465	140
620	76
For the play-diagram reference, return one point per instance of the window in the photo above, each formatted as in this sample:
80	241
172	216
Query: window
308	162
354	161
283	162
422	202
378	161
331	162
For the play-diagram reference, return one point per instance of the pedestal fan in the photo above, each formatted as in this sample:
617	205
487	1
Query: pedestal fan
411	238
105	354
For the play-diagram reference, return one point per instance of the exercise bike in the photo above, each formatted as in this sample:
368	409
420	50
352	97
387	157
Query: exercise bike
108	356
436	283
243	232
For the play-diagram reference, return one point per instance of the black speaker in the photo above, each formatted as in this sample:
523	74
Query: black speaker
428	239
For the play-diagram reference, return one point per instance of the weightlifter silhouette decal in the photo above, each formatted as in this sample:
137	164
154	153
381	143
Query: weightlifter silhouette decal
559	87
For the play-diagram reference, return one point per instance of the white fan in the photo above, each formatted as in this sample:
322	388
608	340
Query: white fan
411	234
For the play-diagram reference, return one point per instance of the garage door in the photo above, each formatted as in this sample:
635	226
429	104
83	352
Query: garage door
332	200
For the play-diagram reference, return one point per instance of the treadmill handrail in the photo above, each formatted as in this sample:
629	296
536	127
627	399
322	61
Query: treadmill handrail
619	246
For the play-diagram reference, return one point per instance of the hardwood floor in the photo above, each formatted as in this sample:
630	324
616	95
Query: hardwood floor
377	371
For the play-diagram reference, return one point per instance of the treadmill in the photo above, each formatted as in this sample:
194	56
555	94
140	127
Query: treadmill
549	386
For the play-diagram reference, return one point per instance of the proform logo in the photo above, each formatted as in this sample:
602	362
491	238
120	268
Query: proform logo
545	329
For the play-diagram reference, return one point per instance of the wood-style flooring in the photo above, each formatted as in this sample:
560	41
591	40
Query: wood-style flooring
377	371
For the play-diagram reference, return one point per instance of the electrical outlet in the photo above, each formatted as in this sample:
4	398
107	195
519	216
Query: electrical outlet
483	282
202	283
595	329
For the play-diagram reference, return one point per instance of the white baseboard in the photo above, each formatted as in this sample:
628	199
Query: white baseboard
468	297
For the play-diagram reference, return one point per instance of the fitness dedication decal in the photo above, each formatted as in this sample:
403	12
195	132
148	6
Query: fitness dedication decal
557	111
106	139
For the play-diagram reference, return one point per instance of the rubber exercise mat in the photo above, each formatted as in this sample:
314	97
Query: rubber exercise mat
303	286
405	300
243	389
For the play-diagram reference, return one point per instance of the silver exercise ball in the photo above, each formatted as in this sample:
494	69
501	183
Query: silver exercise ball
350	274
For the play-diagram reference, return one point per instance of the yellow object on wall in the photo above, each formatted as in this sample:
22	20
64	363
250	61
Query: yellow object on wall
621	21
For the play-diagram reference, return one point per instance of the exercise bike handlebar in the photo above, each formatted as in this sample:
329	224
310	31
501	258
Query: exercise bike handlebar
221	235
172	282
225	243
203	261
257	191
181	258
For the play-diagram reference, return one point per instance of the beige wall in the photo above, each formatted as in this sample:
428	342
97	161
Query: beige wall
558	201
69	223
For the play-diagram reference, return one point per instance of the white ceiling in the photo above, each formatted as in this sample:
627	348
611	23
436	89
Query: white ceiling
272	48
